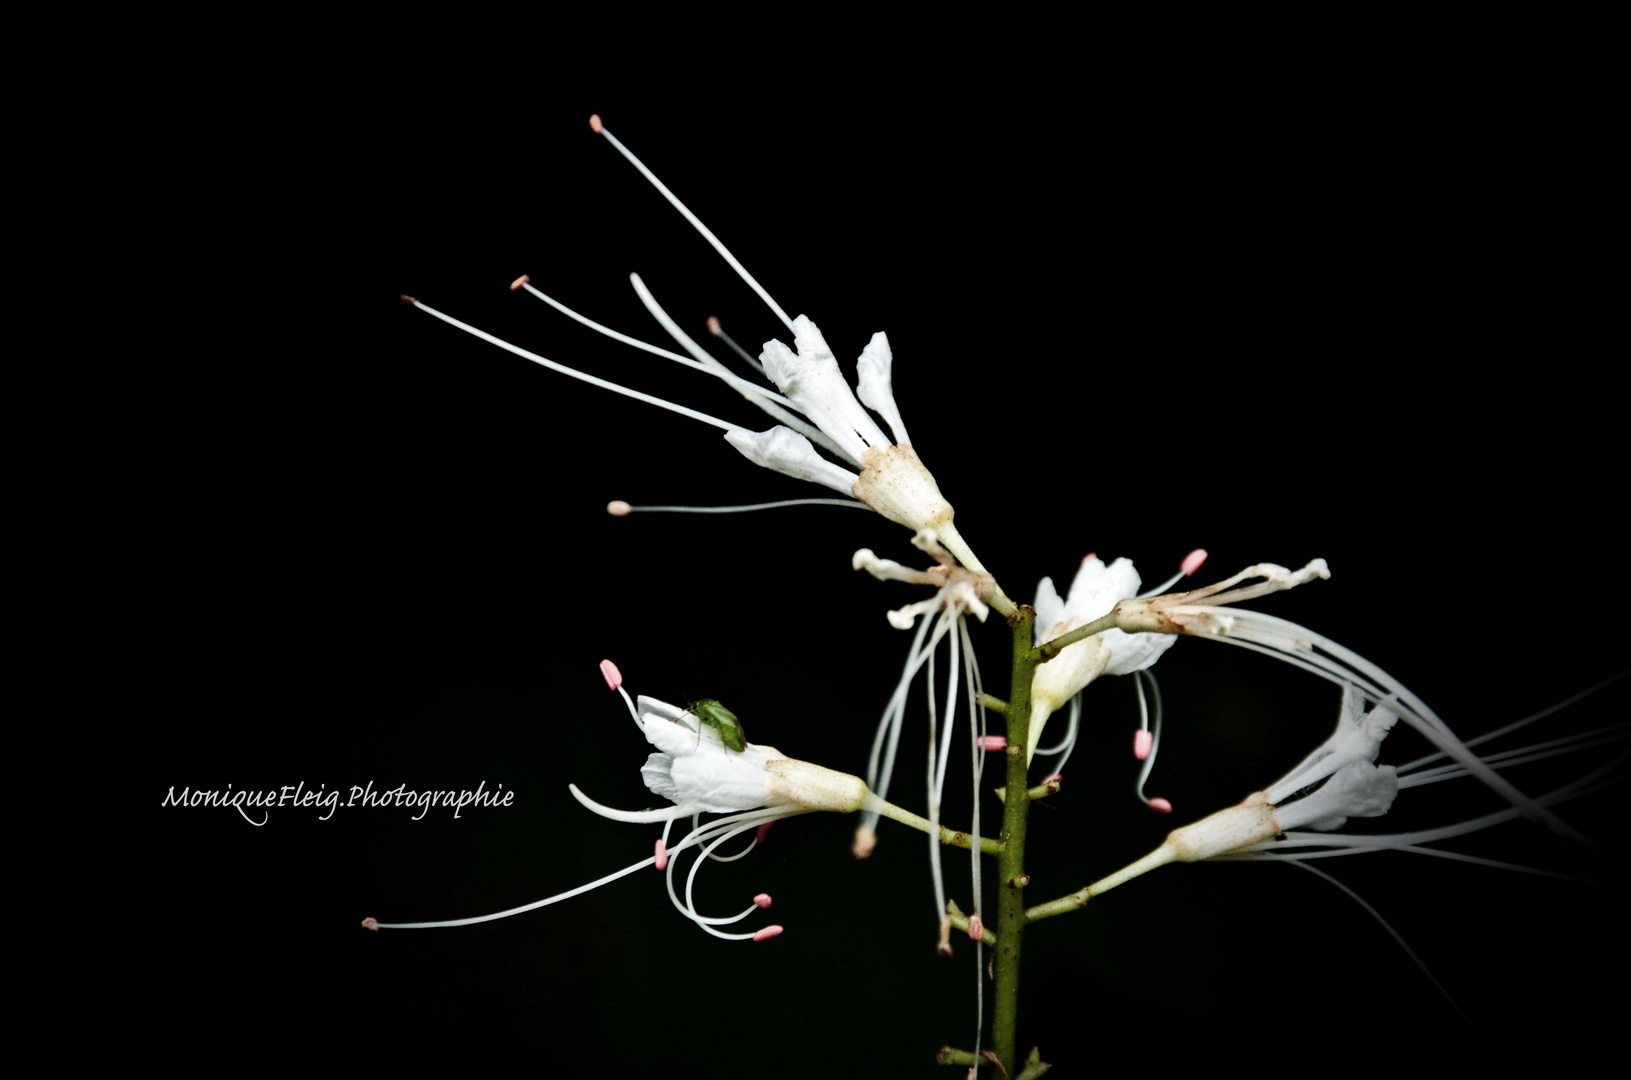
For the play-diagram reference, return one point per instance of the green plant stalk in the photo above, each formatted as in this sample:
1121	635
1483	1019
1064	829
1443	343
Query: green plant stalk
1011	917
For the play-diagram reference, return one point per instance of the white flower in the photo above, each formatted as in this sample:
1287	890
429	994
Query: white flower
1094	593
814	406
696	771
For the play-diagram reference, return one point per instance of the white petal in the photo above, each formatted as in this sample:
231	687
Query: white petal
658	773
788	452
1050	610
1134	652
1358	790
1098	588
721	780
876	386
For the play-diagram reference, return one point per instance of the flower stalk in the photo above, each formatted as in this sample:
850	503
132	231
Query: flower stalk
1011	917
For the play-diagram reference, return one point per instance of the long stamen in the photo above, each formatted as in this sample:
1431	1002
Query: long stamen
1523	755
373	924
600	129
719	332
1516	724
573	372
1377	915
1158	804
716	369
1192	562
619	508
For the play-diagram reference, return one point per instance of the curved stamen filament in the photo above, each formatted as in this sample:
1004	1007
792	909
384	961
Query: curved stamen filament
696	223
1157	804
716	369
573	372
619	508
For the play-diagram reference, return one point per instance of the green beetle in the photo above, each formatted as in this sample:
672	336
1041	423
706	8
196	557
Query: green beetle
722	720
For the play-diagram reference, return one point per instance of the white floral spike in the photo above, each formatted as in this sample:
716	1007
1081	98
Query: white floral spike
600	129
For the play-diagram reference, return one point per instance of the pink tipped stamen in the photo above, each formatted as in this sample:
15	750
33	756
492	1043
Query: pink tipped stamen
520	281
1160	805
1089	556
976	928
662	855
1142	742
618	508
1192	561
767	933
613	677
713	325
370	923
595	124
1051	779
762	900
993	742
764	831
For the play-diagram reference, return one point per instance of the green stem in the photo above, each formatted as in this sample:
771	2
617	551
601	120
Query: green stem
1011	917
1050	649
1077	900
964	840
995	704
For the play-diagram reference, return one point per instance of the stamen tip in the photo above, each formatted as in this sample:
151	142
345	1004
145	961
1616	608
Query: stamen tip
370	923
1160	805
993	742
976	928
1054	777
1192	561
518	282
609	672
762	900
1091	555
767	933
618	508
763	832
713	326
406	299
865	841
1142	741
595	125
661	851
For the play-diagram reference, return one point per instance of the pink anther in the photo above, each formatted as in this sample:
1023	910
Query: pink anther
713	325
1051	779
764	832
1142	742
767	933
976	928
662	854
613	677
518	282
618	508
1160	805
370	923
595	124
1089	556
762	900
1192	561
993	742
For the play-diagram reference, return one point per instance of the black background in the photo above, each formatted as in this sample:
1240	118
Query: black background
1280	311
